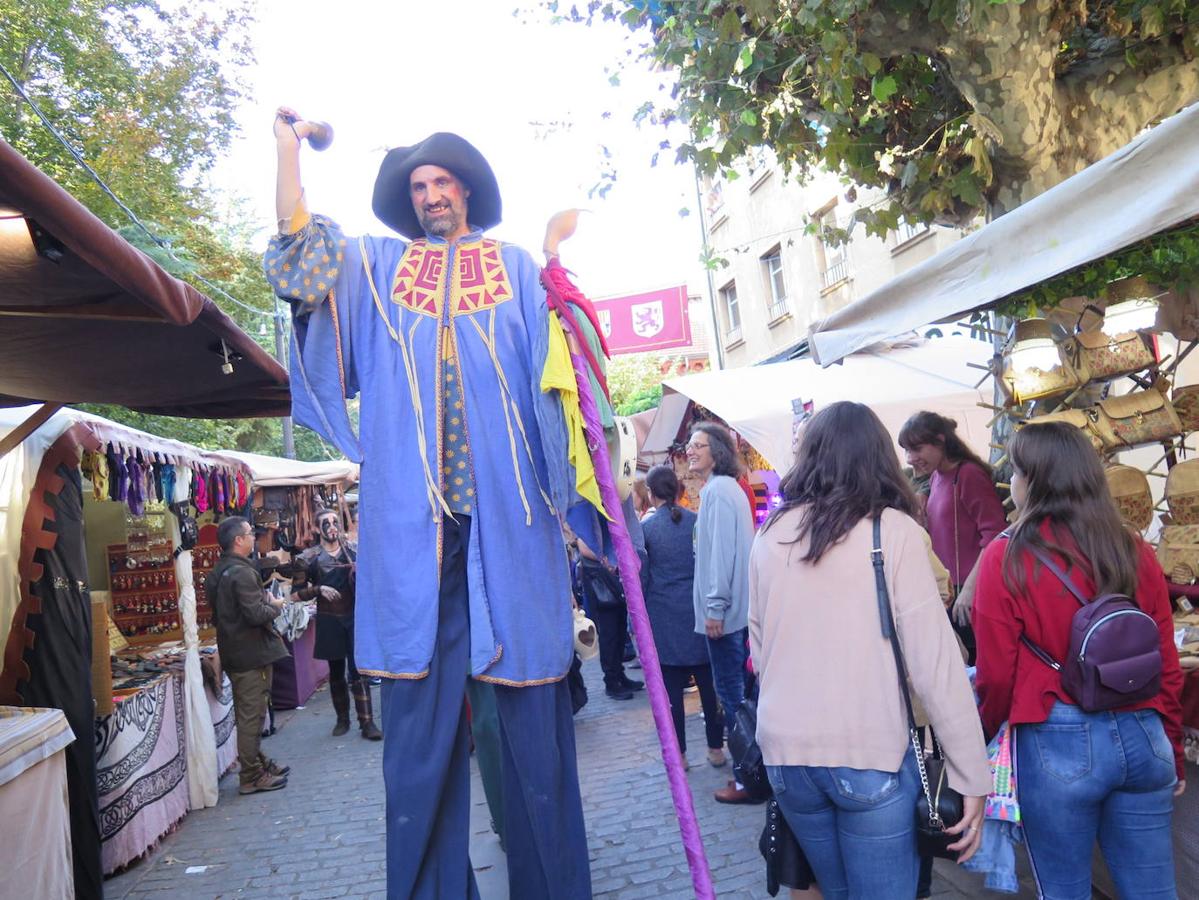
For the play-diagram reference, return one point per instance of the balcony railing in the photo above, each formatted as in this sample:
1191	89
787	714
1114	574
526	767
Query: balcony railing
777	309
836	273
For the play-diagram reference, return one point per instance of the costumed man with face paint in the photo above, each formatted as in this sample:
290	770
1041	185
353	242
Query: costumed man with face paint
468	437
328	573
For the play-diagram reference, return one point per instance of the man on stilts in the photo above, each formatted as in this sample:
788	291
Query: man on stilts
466	464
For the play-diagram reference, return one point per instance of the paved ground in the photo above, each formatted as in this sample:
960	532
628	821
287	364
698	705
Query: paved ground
322	836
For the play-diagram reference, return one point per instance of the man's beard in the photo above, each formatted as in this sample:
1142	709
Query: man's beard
442	225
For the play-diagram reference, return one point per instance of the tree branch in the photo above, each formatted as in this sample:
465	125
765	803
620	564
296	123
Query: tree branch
1107	102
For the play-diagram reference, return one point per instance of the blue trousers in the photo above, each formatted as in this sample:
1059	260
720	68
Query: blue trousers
426	770
1105	776
856	826
728	655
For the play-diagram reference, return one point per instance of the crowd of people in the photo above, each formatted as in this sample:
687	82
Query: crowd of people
900	641
791	619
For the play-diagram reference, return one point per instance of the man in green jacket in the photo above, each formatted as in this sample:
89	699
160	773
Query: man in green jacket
248	646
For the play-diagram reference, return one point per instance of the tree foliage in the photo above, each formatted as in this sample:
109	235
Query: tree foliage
146	91
952	106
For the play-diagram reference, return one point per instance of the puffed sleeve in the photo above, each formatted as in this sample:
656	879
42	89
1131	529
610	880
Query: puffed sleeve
318	271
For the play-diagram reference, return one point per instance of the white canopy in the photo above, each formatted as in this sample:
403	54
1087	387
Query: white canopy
1148	186
273	471
756	401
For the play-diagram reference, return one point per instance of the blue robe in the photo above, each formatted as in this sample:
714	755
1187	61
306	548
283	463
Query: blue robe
381	338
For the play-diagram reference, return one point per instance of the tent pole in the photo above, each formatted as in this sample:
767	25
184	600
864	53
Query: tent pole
39	418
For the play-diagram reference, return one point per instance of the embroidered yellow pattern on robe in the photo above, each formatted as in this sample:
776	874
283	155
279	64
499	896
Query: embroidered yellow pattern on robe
480	280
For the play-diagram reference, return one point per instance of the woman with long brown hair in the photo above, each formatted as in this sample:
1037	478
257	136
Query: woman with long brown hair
964	512
1083	776
832	724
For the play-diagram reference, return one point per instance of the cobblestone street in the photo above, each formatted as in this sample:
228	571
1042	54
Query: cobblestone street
322	836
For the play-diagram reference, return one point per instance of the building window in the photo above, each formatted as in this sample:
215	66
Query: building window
834	258
772	265
908	230
732	312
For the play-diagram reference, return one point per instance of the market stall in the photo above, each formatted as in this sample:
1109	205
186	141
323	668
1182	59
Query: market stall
286	497
72	290
758	402
1093	290
115	543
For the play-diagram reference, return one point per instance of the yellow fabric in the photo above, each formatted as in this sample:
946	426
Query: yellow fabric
299	218
559	375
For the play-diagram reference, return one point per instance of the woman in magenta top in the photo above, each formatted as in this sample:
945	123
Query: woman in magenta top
964	512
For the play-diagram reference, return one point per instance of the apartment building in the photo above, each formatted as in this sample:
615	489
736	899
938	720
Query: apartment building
778	279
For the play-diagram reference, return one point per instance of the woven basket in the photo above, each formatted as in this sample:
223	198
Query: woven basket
1130	490
1182	493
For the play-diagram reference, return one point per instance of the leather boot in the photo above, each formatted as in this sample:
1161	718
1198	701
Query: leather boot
362	705
339	691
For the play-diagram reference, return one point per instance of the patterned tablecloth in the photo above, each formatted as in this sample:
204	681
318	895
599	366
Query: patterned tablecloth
141	760
225	725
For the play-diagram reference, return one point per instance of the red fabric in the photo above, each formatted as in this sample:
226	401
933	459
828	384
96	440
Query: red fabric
561	295
980	517
1014	685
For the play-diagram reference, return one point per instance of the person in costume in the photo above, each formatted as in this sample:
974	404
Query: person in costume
327	572
467	463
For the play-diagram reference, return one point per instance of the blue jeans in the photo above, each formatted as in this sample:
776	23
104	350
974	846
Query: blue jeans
1107	776
856	826
728	655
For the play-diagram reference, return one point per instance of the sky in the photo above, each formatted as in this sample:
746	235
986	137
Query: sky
531	95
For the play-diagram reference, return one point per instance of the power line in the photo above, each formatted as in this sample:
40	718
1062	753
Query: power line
163	244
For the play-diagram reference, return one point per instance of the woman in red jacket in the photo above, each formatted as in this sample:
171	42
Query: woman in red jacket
1081	776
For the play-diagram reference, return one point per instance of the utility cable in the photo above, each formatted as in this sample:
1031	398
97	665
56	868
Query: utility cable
163	244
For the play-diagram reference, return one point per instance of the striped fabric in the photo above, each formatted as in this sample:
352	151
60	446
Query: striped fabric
28	736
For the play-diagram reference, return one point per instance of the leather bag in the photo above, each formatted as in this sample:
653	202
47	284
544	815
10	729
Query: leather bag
603	582
1182	493
786	863
1020	386
1141	418
1178	553
1110	356
1186	405
1085	420
748	767
1130	490
938	806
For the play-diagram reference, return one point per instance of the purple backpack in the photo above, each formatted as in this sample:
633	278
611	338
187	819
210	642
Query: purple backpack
1115	654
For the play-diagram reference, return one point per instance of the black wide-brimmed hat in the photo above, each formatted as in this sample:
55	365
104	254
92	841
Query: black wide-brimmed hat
392	200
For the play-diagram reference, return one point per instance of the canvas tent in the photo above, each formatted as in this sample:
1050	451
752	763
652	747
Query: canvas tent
87	317
756	401
272	471
1146	187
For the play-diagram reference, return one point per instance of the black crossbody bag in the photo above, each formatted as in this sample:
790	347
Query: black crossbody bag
938	806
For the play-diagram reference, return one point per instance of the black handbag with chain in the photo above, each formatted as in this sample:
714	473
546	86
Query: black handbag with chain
786	864
938	806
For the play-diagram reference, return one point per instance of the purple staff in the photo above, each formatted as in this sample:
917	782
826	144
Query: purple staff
628	565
